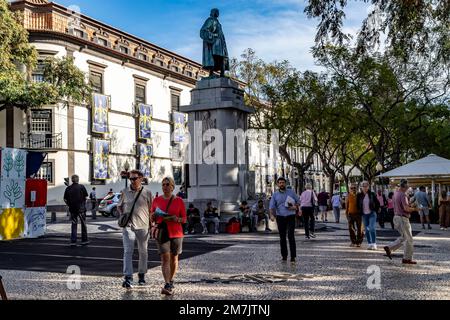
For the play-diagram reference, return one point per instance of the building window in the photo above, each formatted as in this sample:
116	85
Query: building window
189	74
175	102
123	49
139	94
175	68
142	56
78	33
175	106
46	172
41	121
96	80
38	72
102	42
160	63
178	175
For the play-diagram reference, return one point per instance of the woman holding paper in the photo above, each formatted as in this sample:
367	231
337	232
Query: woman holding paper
169	214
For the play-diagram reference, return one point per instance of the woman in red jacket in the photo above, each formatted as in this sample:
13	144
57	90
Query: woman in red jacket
169	214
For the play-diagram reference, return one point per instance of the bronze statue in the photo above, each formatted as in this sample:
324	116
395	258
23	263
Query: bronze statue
215	53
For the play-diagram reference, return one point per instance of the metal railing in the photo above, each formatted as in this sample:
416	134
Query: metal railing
41	141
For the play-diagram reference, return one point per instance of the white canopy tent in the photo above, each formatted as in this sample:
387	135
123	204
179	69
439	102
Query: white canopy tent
432	169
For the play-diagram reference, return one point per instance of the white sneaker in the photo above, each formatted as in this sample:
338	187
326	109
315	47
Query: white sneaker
374	246
217	232
370	247
204	232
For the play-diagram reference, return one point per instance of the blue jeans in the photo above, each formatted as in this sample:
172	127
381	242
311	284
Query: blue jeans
370	222
337	214
131	236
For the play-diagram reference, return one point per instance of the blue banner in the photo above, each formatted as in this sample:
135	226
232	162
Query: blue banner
145	120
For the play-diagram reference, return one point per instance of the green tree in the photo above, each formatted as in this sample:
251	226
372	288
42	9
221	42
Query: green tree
413	29
63	82
390	106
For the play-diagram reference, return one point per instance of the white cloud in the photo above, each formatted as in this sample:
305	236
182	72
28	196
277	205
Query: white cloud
281	34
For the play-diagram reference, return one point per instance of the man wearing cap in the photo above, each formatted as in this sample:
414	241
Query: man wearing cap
283	206
402	212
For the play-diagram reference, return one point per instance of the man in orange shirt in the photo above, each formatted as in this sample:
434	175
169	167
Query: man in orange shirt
354	218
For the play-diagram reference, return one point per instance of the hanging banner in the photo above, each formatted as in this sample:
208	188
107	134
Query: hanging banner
13	163
101	159
145	153
12	185
35	222
12	193
100	109
179	120
145	120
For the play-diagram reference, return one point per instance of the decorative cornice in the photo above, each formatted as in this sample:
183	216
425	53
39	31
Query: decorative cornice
42	15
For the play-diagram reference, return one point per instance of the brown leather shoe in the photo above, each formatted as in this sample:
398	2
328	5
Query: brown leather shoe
408	262
388	252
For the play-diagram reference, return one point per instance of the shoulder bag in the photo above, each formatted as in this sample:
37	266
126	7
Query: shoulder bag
125	218
159	231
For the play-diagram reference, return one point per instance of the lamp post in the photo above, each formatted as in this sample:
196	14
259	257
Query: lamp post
124	174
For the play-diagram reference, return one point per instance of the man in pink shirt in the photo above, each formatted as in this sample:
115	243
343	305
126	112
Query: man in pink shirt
402	212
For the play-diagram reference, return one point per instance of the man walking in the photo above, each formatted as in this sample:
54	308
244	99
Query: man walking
322	199
75	198
354	218
283	206
137	228
424	206
93	199
402	212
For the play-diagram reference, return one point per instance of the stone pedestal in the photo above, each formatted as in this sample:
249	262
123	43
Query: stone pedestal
217	104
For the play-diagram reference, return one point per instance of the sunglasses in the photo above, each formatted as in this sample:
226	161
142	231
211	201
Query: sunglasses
166	184
134	179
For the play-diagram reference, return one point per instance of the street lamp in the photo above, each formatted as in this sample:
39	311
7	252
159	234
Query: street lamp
379	167
124	174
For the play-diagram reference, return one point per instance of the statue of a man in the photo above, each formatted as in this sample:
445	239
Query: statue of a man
215	53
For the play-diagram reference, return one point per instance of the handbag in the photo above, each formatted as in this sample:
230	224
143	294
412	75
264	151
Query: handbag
159	231
125	218
313	202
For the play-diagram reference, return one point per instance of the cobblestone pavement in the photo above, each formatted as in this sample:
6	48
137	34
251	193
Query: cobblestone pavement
251	269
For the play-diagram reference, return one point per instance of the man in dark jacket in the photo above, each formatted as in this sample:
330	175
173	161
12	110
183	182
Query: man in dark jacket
75	198
368	207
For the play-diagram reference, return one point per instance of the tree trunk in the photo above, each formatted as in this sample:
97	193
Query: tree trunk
331	183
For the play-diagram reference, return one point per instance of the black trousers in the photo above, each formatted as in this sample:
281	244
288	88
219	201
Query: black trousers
310	221
286	226
74	215
382	217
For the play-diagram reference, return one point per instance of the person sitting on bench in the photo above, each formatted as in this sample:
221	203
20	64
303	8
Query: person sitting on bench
259	213
245	216
210	215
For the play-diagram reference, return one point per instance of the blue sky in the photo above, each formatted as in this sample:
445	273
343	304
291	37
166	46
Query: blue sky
275	29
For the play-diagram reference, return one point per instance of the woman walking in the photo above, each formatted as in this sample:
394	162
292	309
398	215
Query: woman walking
169	215
368	207
444	210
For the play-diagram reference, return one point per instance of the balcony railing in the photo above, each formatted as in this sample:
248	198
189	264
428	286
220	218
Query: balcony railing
41	141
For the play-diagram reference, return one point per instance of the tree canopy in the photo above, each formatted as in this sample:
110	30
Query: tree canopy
62	80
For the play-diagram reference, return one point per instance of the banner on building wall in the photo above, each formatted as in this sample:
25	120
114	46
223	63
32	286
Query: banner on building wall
101	158
12	193
145	121
145	155
179	120
100	110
